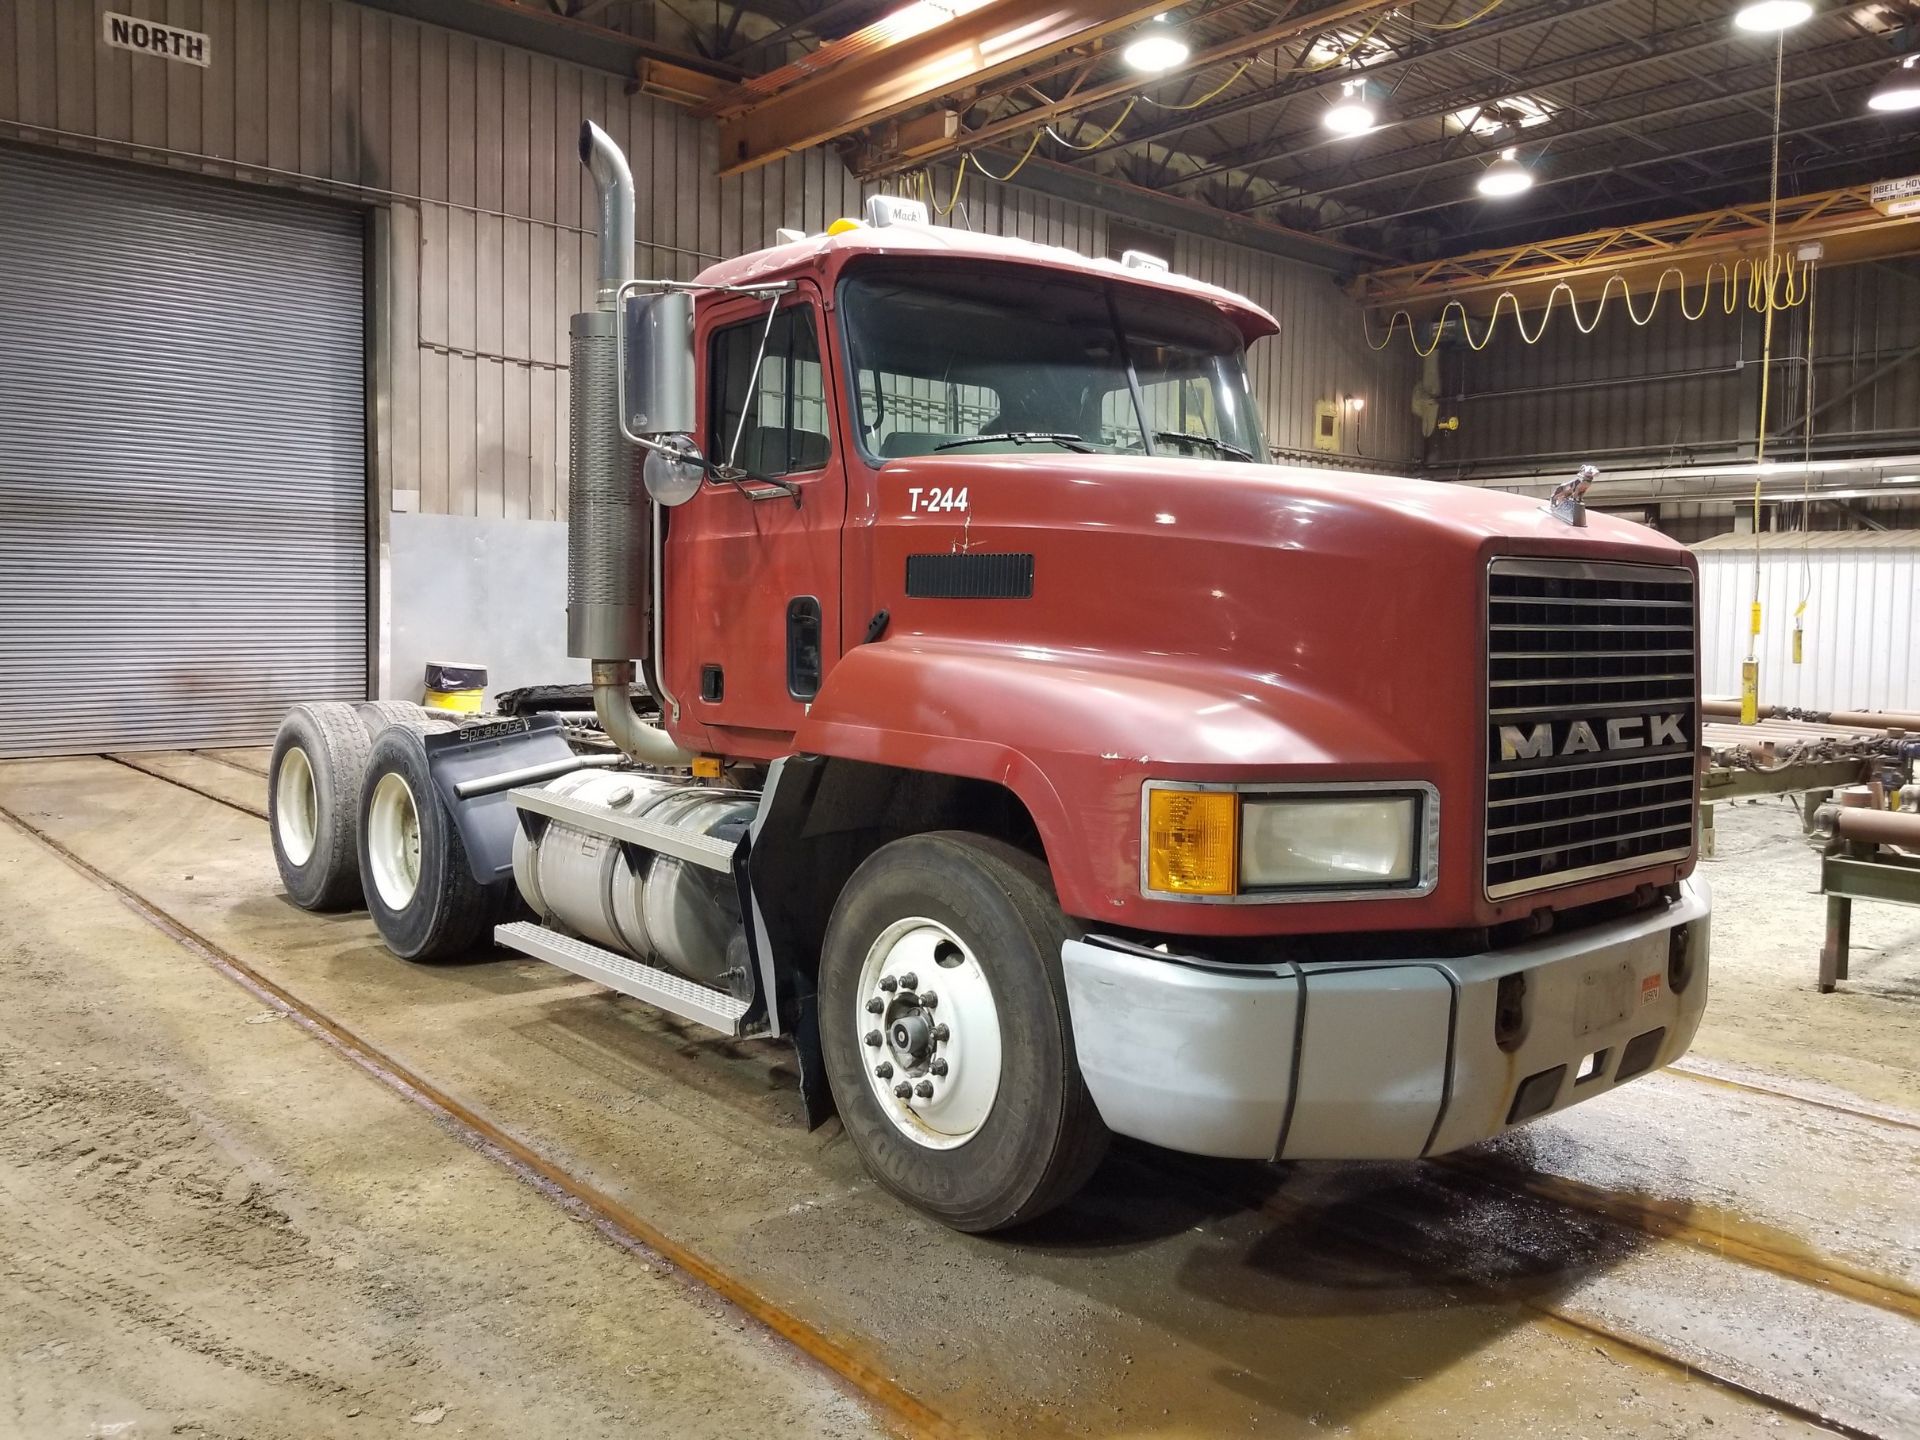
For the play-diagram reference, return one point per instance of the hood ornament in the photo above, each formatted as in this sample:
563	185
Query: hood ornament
1568	501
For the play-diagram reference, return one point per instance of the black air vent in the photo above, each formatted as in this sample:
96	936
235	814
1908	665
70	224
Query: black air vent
971	576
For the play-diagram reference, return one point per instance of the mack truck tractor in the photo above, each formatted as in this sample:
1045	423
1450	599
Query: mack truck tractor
978	709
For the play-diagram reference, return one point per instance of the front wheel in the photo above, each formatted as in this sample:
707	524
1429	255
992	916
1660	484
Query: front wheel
943	1020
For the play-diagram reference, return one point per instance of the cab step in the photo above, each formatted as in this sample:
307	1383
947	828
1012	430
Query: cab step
663	989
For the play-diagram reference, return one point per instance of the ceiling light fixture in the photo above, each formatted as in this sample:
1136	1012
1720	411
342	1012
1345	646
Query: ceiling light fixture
1900	90
1764	17
1506	176
1351	114
1157	47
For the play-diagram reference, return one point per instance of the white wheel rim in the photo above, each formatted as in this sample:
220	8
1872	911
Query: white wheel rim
295	806
946	1053
393	841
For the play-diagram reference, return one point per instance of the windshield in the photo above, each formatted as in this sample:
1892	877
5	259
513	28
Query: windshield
986	360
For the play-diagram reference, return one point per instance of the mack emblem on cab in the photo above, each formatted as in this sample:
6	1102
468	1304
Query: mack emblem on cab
1034	757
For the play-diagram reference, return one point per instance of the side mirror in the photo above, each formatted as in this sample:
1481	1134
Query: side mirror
672	472
656	371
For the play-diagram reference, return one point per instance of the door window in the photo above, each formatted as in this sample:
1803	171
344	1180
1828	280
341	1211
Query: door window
785	406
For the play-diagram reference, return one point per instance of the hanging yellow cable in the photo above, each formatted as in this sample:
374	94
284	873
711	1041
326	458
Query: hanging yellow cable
1507	300
1806	482
1480	14
1750	668
1104	136
1018	165
1211	94
959	174
1341	55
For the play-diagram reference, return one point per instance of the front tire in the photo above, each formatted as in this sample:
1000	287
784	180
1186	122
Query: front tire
413	867
995	1125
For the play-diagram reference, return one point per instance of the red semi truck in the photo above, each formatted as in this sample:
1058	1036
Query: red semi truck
1036	757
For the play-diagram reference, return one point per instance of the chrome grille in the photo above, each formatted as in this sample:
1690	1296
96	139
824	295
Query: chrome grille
1591	721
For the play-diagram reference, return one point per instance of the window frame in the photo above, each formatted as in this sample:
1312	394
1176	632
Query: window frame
753	324
849	413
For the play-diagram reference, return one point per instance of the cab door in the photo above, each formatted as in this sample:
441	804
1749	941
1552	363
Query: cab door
753	574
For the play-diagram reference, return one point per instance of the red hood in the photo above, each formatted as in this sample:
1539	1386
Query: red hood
1203	621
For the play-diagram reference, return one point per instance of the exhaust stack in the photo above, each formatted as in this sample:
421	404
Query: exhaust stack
609	540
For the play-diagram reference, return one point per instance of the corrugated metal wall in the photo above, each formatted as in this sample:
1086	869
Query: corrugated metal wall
470	146
1679	389
1862	593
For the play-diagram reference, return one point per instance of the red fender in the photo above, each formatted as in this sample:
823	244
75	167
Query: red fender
1074	735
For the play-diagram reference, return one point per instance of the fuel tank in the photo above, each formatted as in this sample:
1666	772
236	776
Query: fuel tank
650	906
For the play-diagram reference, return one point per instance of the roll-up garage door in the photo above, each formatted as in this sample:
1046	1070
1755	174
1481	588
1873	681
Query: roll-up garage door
183	499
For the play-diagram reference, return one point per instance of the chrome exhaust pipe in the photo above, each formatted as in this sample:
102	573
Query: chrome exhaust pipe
610	618
614	180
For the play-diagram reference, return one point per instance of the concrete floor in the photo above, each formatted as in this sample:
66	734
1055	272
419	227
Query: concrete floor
211	1224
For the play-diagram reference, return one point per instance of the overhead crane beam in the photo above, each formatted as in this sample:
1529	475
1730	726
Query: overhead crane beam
1843	221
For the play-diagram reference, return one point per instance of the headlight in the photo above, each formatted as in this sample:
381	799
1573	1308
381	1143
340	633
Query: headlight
1270	843
1328	841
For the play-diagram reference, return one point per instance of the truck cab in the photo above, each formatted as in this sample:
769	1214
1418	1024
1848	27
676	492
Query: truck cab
1047	764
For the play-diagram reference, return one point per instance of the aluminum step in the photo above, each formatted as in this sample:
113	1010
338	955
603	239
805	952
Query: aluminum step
688	845
686	998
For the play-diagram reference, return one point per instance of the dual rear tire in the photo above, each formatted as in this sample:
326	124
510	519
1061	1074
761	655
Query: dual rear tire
414	874
355	820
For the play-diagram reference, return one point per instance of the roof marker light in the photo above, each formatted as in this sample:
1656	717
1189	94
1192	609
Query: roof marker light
885	210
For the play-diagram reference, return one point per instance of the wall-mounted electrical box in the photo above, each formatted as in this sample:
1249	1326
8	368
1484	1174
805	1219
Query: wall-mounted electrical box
1326	425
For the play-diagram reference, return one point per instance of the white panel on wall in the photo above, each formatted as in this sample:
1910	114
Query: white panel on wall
1862	595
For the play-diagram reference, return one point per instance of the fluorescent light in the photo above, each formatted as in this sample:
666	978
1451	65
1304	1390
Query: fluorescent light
1157	47
1351	114
1506	176
1900	90
1767	16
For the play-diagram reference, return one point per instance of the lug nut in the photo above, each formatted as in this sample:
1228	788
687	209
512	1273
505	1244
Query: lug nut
910	980
928	999
938	1067
884	1070
924	1089
903	1090
889	984
873	1037
940	1032
876	1005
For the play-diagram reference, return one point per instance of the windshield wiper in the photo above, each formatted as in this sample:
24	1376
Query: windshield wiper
1219	447
1021	437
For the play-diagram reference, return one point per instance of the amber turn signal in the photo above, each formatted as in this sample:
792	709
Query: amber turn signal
1193	842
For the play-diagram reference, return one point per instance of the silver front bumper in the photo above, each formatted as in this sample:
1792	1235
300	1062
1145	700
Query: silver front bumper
1374	1060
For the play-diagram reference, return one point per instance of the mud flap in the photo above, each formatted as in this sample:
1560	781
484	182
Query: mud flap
814	1094
488	823
779	934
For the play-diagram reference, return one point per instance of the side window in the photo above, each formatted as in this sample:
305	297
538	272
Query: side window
1181	406
785	429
